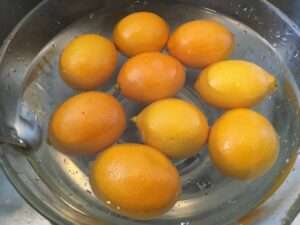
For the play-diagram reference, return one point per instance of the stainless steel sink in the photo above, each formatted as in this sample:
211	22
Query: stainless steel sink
13	209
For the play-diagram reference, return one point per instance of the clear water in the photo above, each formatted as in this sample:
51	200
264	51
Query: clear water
207	196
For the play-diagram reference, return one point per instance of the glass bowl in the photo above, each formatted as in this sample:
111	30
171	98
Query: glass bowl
57	185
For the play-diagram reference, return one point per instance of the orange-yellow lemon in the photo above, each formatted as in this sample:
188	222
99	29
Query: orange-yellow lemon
135	180
243	144
141	32
88	61
151	76
199	43
87	123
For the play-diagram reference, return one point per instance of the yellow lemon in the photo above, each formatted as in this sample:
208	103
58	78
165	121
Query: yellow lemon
178	128
243	144
234	84
135	180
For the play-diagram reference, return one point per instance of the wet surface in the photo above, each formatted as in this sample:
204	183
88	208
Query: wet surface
13	209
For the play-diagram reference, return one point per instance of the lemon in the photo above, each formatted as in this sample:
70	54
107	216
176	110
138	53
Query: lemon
243	144
199	43
151	76
141	32
135	180
177	128
86	123
234	84
88	61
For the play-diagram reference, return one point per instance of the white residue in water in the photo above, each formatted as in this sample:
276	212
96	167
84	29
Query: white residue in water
185	223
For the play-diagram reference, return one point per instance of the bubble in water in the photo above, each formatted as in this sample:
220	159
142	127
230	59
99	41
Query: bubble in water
13	70
231	201
203	185
188	181
288	32
91	16
20	58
